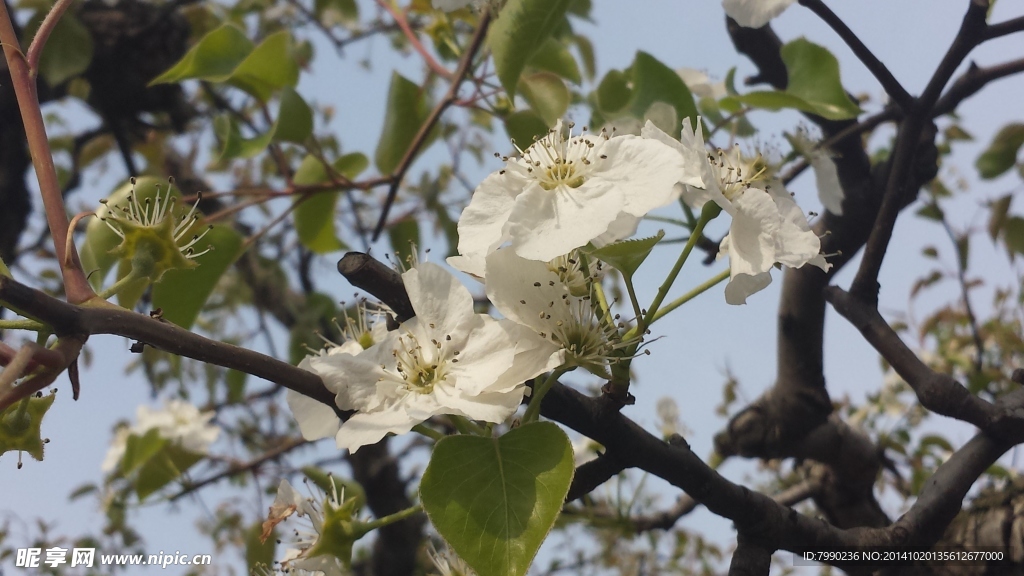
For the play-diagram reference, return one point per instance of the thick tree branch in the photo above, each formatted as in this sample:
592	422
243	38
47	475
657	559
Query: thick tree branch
937	392
972	81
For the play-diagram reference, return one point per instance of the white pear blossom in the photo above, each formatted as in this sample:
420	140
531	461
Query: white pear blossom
180	422
317	420
446	360
754	13
700	84
826	177
537	296
310	550
565	191
767	225
584	450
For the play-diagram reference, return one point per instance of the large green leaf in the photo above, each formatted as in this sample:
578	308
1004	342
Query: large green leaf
213	58
269	67
814	77
1001	154
519	32
554	56
407	109
494	500
227	55
656	82
547	94
181	294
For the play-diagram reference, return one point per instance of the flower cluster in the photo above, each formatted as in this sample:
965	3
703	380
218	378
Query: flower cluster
180	422
767	228
529	233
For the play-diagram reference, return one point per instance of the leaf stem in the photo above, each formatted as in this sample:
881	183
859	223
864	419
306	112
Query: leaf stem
392	518
707	214
714	280
428	432
533	410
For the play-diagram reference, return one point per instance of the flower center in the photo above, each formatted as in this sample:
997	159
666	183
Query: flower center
558	161
736	173
422	366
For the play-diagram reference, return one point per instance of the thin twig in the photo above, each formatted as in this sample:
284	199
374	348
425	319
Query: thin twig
241	467
435	115
35	49
410	34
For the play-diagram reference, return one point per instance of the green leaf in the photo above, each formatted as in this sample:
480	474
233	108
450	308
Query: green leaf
227	55
524	126
164	467
68	51
655	82
519	32
1001	154
213	58
269	67
613	93
494	500
294	118
182	293
405	239
4	270
547	94
932	211
314	216
555	57
628	255
237	146
21	426
814	78
407	109
586	50
314	222
141	449
1000	208
1013	235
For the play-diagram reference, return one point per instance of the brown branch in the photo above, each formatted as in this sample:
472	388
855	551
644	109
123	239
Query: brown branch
435	115
937	392
104	318
410	35
22	77
973	80
367	273
1003	28
971	33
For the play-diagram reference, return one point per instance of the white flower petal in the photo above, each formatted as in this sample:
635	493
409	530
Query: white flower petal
690	148
743	285
545	224
438	298
830	192
482	224
751	242
316	420
754	13
646	170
